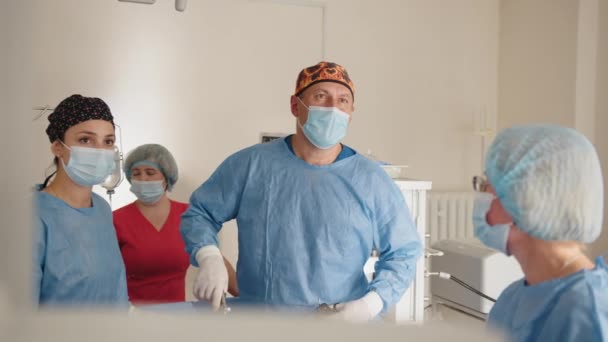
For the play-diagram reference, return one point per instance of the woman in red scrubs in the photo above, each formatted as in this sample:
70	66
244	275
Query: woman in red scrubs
148	230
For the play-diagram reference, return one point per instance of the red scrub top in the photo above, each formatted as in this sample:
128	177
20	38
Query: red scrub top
156	260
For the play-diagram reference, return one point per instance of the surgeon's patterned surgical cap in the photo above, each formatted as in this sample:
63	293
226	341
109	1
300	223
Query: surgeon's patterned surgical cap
74	110
323	72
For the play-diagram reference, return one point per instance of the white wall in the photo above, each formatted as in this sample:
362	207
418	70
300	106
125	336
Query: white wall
206	82
424	71
537	61
601	127
15	240
586	67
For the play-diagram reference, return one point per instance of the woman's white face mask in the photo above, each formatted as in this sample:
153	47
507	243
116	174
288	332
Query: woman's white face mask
492	236
89	166
148	192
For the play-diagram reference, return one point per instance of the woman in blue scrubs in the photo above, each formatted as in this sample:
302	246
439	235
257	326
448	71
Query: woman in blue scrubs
77	261
541	201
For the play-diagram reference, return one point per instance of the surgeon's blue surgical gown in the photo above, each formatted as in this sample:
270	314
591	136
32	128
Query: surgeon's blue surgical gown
77	261
305	231
573	308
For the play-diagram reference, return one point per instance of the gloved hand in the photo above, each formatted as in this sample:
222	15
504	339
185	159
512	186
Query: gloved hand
212	280
360	310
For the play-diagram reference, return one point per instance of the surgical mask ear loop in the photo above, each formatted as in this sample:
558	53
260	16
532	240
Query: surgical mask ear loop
301	125
302	102
61	159
62	143
66	146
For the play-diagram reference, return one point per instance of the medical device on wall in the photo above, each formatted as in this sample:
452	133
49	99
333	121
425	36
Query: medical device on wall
42	111
114	180
479	274
180	5
267	136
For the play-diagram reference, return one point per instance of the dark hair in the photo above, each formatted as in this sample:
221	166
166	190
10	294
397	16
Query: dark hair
56	162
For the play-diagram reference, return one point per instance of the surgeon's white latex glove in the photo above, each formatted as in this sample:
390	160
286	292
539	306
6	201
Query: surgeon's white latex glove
212	280
360	310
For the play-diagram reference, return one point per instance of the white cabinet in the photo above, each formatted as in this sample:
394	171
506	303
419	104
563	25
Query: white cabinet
411	306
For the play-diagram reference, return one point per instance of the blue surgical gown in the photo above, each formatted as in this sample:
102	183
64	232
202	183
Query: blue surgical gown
305	231
573	308
77	261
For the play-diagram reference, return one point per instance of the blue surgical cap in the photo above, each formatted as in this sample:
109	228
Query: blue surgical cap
156	156
548	178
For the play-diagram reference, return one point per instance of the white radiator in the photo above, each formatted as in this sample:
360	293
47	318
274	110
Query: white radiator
449	215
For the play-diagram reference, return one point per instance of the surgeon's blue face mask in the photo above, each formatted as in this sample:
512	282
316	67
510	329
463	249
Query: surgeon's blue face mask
492	236
148	192
325	126
89	166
